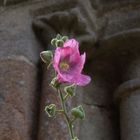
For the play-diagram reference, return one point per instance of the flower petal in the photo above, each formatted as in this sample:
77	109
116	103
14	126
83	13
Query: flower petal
65	78
66	52
77	63
83	80
82	61
80	80
73	44
56	59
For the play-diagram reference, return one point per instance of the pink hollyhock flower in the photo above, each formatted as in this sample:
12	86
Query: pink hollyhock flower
69	64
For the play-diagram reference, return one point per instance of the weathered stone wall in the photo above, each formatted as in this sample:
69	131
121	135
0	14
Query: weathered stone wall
109	33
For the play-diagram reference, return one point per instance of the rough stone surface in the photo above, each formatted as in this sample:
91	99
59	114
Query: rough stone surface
17	100
100	120
16	36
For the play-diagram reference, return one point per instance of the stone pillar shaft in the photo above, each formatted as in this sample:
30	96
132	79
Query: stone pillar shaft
128	96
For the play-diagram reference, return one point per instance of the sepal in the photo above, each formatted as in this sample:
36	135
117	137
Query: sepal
46	56
53	41
55	83
70	90
51	110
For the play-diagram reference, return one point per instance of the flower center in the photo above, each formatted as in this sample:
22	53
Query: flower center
64	66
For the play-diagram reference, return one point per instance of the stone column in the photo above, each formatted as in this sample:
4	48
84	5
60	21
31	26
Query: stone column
128	98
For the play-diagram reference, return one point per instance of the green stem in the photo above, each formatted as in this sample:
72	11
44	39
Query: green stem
69	124
60	111
66	96
72	121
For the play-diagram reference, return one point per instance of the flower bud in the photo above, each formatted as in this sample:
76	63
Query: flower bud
46	56
55	83
78	112
65	38
51	110
70	90
59	43
58	36
53	41
59	40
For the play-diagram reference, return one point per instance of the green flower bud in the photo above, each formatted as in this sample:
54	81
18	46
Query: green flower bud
70	90
58	36
53	41
59	43
78	112
55	83
65	38
59	40
51	110
46	56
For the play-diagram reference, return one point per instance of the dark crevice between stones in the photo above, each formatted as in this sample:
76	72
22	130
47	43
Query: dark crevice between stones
110	107
39	94
107	107
38	36
117	119
115	116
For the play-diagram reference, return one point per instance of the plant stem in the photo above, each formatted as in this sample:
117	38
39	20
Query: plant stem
66	96
69	124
